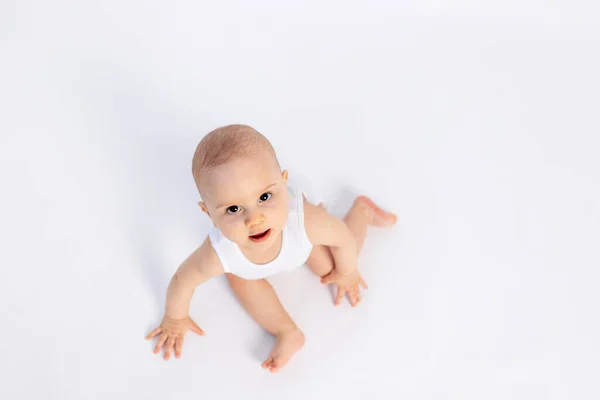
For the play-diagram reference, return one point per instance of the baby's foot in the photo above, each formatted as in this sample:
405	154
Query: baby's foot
286	345
377	216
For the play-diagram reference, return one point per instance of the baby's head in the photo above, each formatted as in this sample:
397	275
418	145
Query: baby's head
241	184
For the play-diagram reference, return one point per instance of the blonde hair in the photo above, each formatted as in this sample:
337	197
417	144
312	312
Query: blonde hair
225	144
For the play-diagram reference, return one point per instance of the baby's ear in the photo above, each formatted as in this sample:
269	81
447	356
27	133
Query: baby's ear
203	207
284	174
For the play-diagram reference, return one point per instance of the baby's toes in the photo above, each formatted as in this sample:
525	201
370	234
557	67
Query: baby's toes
276	365
267	363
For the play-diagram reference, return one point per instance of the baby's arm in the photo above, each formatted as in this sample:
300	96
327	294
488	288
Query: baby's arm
325	229
202	265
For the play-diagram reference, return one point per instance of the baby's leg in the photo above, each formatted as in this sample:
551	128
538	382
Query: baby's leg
364	212
260	301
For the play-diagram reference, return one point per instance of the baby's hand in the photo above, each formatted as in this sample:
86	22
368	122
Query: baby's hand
347	284
172	332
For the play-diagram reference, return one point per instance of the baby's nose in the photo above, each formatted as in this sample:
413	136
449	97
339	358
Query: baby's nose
255	219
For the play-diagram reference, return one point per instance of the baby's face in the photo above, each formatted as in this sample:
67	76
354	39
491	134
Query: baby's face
247	200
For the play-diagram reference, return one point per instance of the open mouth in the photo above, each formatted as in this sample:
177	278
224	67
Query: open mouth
261	237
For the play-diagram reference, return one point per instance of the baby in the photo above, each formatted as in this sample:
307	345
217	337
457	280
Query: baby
262	226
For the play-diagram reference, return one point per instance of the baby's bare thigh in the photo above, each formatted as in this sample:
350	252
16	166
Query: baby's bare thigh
320	260
243	286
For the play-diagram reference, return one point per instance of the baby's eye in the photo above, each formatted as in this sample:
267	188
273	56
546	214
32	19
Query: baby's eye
265	196
232	209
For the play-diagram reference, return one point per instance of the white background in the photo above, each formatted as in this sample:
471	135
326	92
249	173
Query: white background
476	122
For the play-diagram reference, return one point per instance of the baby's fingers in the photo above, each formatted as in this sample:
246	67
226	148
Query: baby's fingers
354	297
155	332
169	347
178	345
363	283
340	295
195	328
161	340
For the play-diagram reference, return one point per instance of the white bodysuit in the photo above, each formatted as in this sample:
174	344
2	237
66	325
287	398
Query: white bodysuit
295	247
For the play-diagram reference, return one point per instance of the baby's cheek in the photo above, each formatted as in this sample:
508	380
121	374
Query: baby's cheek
283	215
230	228
237	236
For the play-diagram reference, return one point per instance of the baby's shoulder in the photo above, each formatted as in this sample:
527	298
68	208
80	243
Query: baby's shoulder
206	259
315	218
